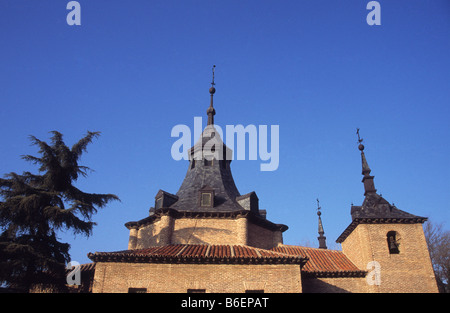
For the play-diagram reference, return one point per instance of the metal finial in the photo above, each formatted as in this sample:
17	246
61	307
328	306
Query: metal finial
322	239
213	69
211	112
360	146
359	139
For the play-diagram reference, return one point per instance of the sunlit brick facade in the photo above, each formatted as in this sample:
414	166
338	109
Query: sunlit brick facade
209	238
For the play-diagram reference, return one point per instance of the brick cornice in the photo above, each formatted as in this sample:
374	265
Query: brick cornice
252	217
358	221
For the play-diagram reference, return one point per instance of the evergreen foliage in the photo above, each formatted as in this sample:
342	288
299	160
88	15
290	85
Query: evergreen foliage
35	207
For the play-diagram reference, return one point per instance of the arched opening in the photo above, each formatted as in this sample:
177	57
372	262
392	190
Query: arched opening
393	241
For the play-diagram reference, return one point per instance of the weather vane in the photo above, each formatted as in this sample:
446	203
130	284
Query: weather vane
318	207
212	83
359	139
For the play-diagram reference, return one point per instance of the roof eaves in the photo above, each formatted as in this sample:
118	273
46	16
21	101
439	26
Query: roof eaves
381	220
334	274
239	255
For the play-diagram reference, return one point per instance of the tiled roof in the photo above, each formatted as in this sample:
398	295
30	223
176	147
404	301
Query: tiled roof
315	262
84	268
184	253
323	262
87	272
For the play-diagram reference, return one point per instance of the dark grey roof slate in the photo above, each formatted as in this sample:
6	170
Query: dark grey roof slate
215	174
375	206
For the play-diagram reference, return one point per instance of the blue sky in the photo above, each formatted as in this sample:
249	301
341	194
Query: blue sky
135	69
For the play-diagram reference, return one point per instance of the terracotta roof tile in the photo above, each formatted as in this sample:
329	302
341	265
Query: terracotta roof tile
199	254
220	251
323	262
314	262
84	268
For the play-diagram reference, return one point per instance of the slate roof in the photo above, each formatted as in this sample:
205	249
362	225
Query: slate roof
209	170
214	174
375	209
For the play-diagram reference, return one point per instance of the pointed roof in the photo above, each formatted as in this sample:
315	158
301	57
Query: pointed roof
322	239
375	209
209	172
209	165
374	205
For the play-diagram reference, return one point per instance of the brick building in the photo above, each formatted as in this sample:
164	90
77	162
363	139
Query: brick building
209	238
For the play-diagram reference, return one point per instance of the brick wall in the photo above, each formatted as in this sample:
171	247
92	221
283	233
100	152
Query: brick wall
158	233
334	285
408	271
214	278
263	238
209	231
237	231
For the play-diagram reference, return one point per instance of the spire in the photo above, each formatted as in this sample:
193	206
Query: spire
375	209
369	186
209	172
211	112
322	239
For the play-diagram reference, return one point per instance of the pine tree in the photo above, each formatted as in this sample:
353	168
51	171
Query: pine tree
35	207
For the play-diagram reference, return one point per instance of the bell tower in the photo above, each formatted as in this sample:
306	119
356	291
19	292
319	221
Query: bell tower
388	242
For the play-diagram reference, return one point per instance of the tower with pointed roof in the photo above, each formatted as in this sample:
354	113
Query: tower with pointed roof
387	241
206	237
208	208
